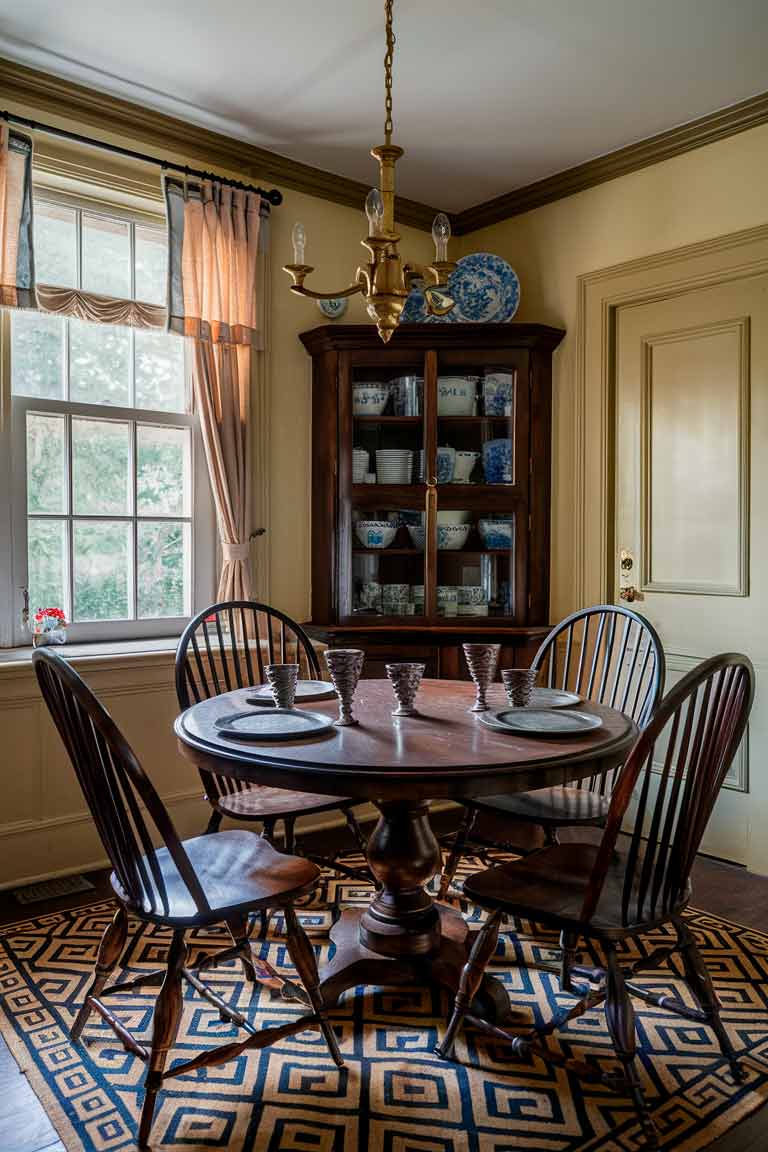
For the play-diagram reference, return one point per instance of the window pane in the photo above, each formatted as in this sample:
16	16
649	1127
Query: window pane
160	380
99	366
163	471
107	256
101	483
163	583
47	555
102	570
46	463
37	355
55	244
151	264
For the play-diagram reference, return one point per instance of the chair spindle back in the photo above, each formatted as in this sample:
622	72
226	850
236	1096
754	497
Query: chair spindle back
115	788
226	647
675	770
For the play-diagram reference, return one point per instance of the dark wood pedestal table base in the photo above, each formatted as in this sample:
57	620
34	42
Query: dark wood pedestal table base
400	764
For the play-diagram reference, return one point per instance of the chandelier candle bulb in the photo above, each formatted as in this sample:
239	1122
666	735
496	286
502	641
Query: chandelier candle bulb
299	240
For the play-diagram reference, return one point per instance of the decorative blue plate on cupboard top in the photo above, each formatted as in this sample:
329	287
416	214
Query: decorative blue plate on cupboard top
486	290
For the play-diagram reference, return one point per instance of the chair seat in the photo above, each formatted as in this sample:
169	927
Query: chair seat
548	888
548	806
258	802
237	871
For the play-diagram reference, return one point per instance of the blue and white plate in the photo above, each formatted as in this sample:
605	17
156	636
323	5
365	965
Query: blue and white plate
333	309
486	290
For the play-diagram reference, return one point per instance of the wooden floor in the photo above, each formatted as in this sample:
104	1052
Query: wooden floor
719	888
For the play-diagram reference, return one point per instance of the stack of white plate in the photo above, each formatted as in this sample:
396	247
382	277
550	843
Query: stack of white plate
394	466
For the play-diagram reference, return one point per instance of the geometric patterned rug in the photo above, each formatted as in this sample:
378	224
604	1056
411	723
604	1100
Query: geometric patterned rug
395	1094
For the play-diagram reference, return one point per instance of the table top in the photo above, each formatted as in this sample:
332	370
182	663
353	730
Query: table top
445	751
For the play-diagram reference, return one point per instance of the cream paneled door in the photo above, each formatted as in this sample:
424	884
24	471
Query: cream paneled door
692	506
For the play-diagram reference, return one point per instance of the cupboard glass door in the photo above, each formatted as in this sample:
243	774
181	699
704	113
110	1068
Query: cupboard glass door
381	488
481	469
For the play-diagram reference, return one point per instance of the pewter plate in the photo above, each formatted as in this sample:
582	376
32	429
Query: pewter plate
541	722
273	724
553	698
306	690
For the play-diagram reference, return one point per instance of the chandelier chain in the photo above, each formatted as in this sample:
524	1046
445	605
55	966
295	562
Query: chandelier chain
388	73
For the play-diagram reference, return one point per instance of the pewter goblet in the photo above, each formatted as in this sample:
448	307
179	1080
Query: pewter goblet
345	666
405	679
519	684
481	662
282	682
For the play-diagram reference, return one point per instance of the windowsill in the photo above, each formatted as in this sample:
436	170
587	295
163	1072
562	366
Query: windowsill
100	650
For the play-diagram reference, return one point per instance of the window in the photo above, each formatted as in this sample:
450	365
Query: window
107	463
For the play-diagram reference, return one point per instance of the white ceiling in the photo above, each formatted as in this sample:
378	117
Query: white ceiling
489	94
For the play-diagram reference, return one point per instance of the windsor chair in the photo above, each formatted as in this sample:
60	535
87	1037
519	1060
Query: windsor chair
612	893
608	654
221	649
181	885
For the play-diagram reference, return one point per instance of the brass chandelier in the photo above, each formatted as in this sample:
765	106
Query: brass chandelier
384	280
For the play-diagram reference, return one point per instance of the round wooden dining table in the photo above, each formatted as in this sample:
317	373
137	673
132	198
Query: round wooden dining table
400	764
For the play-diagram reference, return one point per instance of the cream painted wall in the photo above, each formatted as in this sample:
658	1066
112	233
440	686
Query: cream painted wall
705	193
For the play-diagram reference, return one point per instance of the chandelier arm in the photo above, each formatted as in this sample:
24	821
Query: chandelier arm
300	290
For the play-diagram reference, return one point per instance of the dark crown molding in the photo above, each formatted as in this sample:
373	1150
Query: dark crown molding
63	98
706	130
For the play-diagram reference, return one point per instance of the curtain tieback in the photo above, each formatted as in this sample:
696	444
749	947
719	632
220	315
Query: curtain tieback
235	551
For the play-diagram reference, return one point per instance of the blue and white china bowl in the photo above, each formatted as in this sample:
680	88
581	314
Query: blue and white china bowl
417	536
446	462
497	461
485	288
369	399
447	600
456	395
496	533
333	309
498	393
375	533
451	537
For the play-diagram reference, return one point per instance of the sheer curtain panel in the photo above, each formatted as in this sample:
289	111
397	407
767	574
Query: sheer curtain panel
216	239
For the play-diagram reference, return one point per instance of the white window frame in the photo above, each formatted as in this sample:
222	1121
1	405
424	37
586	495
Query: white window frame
13	484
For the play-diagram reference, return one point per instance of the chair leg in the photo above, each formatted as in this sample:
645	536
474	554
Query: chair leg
354	827
700	983
268	831
214	823
289	835
303	956
472	973
238	930
568	941
165	1025
110	949
456	853
620	1018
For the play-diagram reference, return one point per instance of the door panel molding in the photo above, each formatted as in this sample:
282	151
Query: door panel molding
660	276
739	328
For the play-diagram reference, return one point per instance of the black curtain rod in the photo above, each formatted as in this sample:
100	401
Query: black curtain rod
272	195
